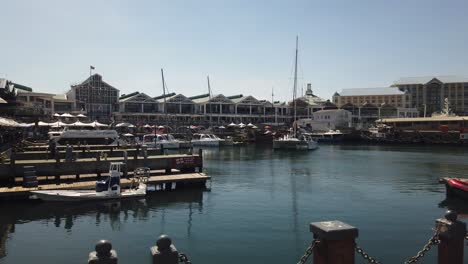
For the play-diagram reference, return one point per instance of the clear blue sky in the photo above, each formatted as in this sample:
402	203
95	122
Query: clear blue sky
245	46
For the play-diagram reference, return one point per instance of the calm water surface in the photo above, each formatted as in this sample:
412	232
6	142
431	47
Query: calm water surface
258	209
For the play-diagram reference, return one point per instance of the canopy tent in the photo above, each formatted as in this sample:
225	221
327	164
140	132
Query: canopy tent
97	124
8	122
124	125
67	115
25	124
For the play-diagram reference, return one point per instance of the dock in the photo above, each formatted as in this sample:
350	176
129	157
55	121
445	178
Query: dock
157	178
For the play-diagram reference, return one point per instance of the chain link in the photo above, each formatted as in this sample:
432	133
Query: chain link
183	258
365	255
434	240
308	252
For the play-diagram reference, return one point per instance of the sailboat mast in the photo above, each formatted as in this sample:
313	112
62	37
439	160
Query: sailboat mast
209	95
295	86
164	95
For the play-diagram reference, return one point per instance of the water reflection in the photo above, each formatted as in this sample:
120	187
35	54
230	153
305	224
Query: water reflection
116	213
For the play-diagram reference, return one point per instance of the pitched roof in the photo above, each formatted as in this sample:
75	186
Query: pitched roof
371	91
426	79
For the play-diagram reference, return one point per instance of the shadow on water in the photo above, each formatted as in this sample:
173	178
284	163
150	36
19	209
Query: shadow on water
456	204
115	212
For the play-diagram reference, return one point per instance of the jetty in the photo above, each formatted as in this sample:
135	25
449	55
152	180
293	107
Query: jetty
32	167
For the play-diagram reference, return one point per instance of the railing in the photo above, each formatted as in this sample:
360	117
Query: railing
334	243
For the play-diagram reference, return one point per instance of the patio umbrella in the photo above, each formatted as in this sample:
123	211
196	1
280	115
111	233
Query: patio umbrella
160	127
250	125
67	115
80	115
255	127
241	125
131	126
57	115
97	124
232	125
128	135
221	127
2	101
147	126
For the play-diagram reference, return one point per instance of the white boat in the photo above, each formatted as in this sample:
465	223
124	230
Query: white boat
328	136
288	142
82	136
166	141
205	140
295	140
105	190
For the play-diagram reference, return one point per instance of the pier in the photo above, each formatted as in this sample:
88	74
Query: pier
31	167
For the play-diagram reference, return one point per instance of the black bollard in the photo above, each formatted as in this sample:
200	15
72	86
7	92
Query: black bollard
104	254
164	252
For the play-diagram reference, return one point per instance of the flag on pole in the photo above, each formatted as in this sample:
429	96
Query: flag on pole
91	67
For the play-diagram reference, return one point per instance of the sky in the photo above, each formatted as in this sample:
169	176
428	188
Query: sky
246	47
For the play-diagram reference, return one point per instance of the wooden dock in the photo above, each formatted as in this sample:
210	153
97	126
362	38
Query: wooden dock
181	180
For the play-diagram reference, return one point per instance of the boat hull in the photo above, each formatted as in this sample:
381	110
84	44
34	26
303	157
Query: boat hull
79	196
295	144
456	188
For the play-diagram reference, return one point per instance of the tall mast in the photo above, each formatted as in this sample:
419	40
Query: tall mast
295	86
209	95
164	95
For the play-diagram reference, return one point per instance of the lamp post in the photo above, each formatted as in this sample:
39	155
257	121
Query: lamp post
424	109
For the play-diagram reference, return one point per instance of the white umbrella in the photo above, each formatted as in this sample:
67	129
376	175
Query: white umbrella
2	101
250	125
25	124
79	123
97	124
67	115
57	115
160	127
221	127
147	126
80	115
232	125
255	127
131	126
7	122
241	125
128	135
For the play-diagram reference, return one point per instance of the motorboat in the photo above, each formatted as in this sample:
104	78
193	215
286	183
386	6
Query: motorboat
165	141
456	187
205	140
290	142
328	136
105	190
228	141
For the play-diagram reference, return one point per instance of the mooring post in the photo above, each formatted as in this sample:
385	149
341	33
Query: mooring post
164	252
104	254
200	155
336	244
452	235
98	159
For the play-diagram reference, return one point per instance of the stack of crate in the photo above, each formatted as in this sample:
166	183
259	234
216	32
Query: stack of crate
29	177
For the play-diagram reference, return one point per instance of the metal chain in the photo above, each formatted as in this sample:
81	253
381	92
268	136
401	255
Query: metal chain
308	252
183	258
365	255
434	240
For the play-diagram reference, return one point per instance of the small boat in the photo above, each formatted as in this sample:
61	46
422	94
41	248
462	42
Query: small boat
166	141
290	142
329	136
456	187
205	140
105	190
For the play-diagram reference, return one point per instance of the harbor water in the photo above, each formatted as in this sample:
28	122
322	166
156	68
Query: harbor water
258	209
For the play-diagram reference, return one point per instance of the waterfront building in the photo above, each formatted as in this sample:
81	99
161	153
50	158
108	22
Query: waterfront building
96	97
370	104
428	93
330	119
